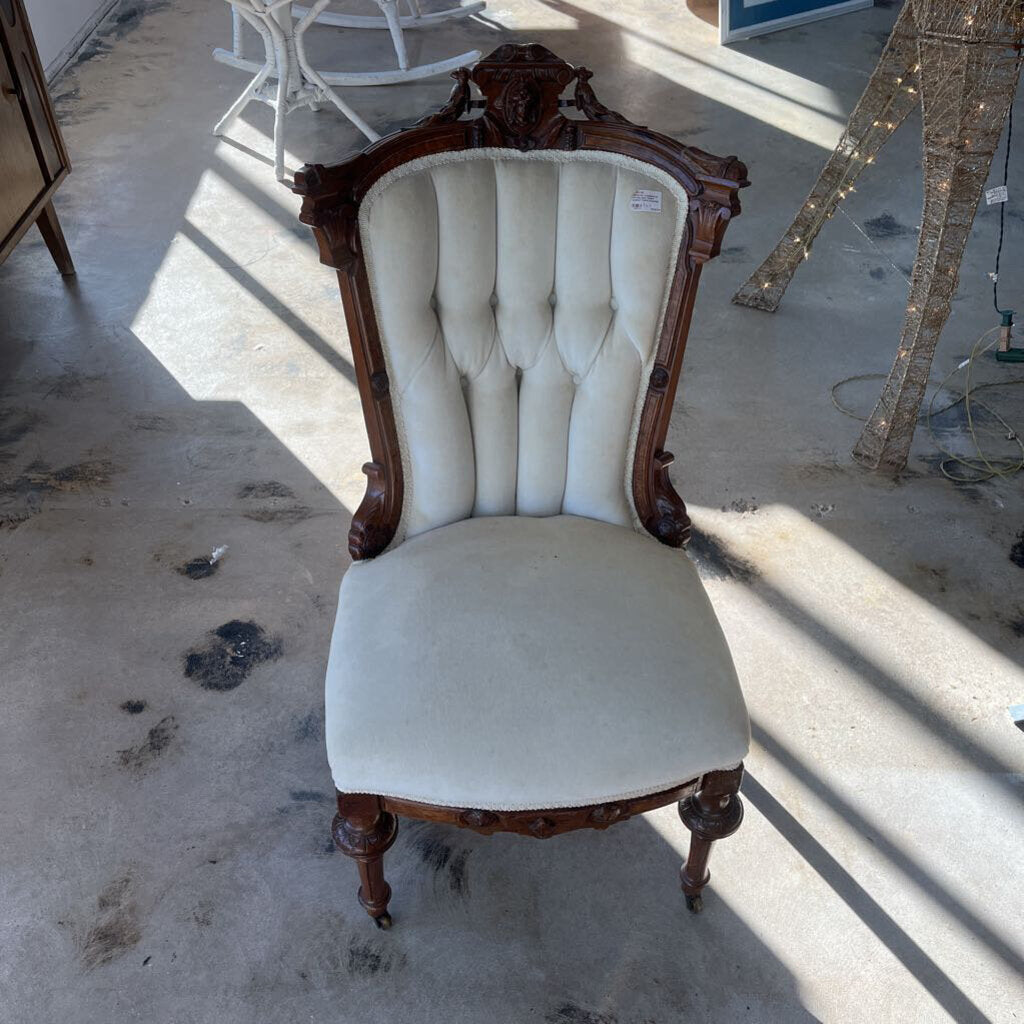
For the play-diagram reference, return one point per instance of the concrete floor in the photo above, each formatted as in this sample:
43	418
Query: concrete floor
165	850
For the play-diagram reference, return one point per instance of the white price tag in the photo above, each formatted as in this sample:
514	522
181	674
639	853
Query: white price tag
646	201
995	195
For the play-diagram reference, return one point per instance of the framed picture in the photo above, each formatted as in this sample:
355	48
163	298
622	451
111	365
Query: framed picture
741	19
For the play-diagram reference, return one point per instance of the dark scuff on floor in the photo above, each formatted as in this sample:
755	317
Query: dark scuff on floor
230	652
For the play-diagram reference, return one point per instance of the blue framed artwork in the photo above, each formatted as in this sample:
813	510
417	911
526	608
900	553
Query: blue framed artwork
741	19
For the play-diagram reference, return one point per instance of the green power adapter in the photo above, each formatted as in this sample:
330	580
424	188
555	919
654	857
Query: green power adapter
1009	354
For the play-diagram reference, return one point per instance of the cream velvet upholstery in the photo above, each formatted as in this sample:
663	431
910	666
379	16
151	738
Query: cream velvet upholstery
510	663
519	300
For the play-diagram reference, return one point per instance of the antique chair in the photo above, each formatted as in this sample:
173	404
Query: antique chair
514	649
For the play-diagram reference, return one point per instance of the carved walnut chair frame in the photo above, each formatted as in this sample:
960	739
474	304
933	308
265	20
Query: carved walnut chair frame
521	87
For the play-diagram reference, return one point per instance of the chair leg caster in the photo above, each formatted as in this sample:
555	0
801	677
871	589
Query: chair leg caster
712	813
363	830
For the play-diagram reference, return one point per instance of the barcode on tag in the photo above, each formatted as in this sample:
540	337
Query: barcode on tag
995	195
646	201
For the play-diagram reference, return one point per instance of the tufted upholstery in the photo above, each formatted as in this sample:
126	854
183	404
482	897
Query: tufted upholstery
519	299
512	663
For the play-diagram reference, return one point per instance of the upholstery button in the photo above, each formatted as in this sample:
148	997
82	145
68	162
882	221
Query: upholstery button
552	298
433	303
576	378
614	303
493	300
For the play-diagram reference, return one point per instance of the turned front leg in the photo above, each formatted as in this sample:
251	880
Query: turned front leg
712	813
364	831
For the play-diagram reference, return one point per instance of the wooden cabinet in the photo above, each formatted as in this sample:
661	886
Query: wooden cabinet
33	160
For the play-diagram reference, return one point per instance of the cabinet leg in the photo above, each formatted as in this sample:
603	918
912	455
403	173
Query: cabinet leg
49	228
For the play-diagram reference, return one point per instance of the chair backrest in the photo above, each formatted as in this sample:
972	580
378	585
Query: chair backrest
518	288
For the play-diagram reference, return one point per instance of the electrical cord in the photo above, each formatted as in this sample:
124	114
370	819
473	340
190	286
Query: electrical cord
1002	215
981	466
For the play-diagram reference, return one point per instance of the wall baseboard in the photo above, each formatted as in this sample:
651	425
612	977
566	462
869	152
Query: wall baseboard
57	66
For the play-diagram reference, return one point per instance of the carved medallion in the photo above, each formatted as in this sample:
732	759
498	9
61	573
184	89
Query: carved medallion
519	105
542	827
478	819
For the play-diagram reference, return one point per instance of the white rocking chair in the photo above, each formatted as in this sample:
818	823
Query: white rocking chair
298	83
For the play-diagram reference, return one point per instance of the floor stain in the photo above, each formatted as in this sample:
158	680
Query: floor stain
715	561
309	796
133	707
156	742
22	496
1017	550
270	501
571	1013
733	254
310	727
366	959
741	505
885	225
198	568
15	424
150	421
116	929
444	860
279	514
877	273
229	654
938	577
82	475
67	385
265	489
129	16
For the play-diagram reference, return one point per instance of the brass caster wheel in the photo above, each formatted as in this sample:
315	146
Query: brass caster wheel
695	904
384	921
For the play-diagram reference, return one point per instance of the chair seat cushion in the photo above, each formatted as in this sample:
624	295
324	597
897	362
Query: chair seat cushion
512	663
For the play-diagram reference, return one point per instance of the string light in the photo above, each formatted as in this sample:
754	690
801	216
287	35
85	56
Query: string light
841	190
